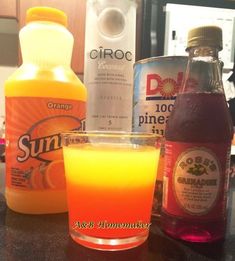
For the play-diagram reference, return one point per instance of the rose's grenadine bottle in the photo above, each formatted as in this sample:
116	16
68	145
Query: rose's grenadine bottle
198	140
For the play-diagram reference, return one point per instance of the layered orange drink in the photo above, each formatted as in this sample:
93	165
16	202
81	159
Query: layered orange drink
110	187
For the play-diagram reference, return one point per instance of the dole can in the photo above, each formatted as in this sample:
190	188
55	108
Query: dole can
156	83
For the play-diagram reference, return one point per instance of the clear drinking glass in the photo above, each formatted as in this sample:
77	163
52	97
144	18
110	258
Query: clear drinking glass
110	185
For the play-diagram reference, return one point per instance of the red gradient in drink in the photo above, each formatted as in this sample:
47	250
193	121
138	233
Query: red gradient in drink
98	206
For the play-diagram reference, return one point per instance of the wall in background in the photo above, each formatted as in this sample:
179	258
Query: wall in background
8	42
154	22
5	72
8	55
8	49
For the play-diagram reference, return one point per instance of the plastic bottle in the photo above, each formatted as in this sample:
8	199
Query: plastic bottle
43	98
109	59
198	142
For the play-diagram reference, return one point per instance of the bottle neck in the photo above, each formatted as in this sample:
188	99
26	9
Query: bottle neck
204	52
204	71
46	44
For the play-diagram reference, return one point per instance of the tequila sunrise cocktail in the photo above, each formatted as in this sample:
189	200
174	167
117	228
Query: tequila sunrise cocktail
110	185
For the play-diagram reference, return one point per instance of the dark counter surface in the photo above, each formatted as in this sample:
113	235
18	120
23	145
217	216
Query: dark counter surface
46	238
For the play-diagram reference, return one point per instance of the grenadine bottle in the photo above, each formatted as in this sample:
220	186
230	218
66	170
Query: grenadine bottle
198	140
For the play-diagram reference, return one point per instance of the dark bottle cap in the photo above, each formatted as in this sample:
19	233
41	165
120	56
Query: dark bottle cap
205	36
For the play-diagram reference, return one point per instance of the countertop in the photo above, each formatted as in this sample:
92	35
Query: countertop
46	238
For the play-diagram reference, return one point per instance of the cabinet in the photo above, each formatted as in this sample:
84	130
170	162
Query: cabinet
8	9
75	10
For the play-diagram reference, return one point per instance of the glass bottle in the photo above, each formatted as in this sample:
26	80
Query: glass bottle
108	64
198	141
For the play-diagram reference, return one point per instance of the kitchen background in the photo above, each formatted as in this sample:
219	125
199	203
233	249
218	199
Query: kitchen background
162	28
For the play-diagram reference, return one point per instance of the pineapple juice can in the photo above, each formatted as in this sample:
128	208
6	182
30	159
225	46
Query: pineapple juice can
156	83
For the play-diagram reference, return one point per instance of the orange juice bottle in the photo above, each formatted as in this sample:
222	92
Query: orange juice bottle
43	98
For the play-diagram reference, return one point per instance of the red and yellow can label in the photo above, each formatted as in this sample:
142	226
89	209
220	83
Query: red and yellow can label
34	159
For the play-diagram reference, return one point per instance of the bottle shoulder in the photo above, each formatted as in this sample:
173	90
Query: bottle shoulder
28	72
200	117
31	80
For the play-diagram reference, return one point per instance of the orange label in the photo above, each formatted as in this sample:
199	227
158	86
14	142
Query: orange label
34	159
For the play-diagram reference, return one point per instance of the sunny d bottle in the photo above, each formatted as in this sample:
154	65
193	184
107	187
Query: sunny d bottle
44	97
109	59
198	141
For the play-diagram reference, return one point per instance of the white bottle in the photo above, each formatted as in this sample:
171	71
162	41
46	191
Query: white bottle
109	59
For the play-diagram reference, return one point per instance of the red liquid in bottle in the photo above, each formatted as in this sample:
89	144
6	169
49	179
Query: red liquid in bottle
194	207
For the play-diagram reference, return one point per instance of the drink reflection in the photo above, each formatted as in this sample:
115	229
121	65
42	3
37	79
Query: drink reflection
156	248
46	238
78	252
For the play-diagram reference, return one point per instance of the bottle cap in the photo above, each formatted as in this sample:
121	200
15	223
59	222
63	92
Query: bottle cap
206	36
42	13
